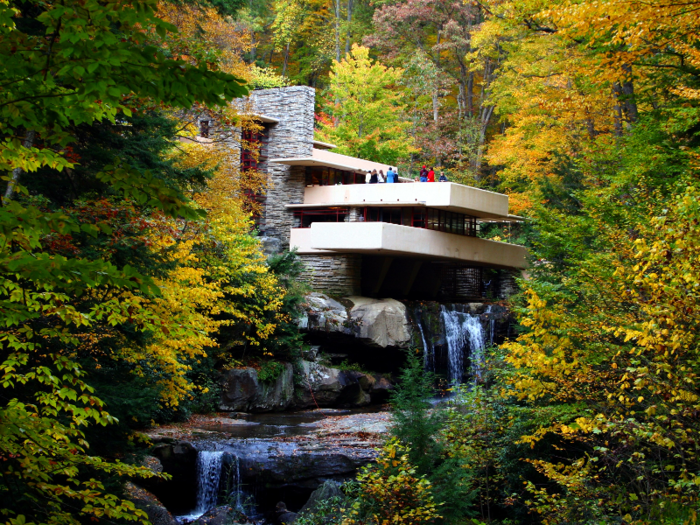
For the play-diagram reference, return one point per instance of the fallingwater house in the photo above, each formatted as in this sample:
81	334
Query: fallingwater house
407	240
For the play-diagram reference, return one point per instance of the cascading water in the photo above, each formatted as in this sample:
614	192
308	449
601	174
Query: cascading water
463	331
492	323
237	486
428	349
208	477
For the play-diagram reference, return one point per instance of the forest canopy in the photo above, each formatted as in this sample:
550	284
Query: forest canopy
130	265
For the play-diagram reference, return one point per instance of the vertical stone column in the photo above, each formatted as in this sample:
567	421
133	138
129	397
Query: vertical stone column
355	215
292	137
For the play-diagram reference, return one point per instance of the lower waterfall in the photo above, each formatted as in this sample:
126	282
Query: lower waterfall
208	477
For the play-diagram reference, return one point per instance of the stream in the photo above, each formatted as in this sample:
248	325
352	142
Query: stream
252	461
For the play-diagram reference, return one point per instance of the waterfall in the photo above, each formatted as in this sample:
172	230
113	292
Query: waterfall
208	475
428	350
237	490
492	324
463	331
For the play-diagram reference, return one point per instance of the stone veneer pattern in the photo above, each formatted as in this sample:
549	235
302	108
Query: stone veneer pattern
337	275
291	137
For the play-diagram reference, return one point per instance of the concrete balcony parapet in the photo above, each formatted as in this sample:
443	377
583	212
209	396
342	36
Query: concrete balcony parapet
441	195
381	238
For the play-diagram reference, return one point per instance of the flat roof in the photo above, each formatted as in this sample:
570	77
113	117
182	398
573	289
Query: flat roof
264	118
323	145
328	159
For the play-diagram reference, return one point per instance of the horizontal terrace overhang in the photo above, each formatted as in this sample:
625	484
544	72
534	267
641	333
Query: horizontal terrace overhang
381	238
265	118
328	159
440	195
323	145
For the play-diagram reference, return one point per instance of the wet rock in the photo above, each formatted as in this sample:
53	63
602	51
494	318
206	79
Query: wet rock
380	322
147	502
311	354
284	516
152	463
304	463
327	491
325	386
323	314
243	392
223	515
380	389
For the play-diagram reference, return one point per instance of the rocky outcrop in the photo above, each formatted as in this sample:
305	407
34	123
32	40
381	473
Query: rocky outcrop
316	385
324	386
147	502
328	491
376	322
223	515
284	515
243	391
323	314
380	322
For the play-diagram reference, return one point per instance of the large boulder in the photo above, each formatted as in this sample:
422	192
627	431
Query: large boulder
243	392
380	322
147	502
328	491
223	515
325	386
323	314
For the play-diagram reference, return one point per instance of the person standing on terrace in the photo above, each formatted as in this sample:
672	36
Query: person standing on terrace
390	175
368	177
382	178
373	178
424	175
431	175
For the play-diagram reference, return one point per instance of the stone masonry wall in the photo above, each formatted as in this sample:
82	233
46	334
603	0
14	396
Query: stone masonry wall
337	275
291	137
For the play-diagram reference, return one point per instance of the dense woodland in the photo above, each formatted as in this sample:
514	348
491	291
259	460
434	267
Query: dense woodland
129	267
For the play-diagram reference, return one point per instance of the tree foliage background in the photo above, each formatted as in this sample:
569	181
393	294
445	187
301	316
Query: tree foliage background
127	263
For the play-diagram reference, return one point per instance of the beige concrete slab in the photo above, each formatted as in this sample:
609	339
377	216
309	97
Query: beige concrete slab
442	195
391	239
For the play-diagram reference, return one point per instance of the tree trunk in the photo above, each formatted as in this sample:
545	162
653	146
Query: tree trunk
486	114
286	60
336	9
28	143
348	34
629	101
617	108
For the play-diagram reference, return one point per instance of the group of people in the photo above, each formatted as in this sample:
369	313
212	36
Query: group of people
426	175
373	177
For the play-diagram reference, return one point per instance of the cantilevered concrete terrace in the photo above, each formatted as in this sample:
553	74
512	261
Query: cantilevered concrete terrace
380	238
440	195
